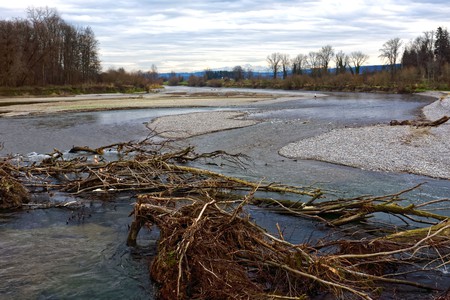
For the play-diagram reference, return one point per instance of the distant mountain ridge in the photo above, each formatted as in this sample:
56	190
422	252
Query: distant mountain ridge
266	72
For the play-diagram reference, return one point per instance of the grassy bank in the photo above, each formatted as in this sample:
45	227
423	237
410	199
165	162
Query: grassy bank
69	90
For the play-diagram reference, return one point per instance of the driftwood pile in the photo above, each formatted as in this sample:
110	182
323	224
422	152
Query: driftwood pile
12	193
211	249
209	246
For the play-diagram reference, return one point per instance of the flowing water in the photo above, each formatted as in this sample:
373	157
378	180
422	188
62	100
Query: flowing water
81	254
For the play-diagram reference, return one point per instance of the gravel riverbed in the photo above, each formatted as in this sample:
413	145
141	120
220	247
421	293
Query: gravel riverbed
424	151
404	149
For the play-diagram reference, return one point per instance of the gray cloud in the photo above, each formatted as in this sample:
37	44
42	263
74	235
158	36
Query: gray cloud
187	36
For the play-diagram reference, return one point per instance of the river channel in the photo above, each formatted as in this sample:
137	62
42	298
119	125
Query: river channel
63	254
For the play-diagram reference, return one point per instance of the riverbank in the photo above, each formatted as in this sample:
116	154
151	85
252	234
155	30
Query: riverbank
385	148
169	97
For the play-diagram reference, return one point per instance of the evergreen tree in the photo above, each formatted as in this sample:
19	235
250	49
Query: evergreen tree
442	46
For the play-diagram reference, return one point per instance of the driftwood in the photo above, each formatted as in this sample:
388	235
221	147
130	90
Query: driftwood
435	123
210	248
13	193
359	209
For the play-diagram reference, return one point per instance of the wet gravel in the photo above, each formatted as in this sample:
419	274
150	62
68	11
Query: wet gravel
186	125
423	151
399	149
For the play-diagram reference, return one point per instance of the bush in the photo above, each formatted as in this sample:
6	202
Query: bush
173	81
214	83
196	81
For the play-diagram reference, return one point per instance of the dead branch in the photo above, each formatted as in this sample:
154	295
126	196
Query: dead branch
434	123
209	249
344	211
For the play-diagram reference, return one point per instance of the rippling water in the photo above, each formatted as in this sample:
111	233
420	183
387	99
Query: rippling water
64	254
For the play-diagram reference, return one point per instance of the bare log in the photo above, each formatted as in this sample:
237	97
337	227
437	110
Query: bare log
77	149
434	123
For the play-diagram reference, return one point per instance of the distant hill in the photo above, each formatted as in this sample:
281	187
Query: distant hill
266	73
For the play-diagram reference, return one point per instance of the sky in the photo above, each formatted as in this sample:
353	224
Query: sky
187	36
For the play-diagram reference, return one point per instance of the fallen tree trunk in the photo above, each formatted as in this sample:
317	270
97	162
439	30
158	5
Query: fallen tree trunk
344	211
434	123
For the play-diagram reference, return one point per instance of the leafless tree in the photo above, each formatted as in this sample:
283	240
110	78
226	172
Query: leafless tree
298	64
358	59
274	60
43	49
249	73
238	73
390	52
325	56
12	65
342	61
285	62
153	73
313	61
90	65
419	53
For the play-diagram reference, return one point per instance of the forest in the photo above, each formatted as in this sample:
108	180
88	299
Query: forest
43	49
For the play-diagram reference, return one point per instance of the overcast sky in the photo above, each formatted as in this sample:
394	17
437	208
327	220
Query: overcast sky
180	35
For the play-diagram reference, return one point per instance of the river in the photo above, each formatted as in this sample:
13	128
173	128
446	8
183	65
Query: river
64	254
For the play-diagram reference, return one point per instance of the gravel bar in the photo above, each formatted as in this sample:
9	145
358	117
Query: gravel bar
187	125
424	151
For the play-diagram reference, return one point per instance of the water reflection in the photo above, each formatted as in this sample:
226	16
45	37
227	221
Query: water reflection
348	108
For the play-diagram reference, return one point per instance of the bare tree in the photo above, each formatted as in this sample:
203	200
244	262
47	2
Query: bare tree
285	62
249	73
43	49
390	52
325	56
153	73
238	73
90	64
274	60
419	53
298	64
358	59
342	61
12	65
313	61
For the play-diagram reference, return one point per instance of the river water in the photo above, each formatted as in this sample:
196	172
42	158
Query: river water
81	254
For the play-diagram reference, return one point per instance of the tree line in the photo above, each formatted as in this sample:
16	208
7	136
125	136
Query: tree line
423	64
316	63
43	49
429	54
